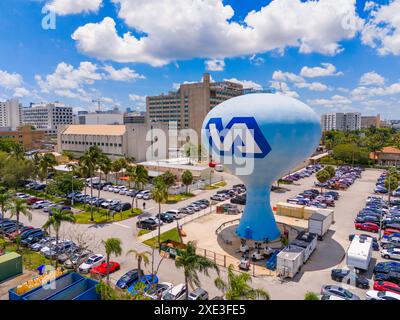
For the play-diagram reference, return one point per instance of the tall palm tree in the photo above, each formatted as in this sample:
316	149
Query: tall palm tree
46	162
104	167
5	201
160	195
237	287
139	176
90	160
117	166
18	207
140	257
191	263
112	246
57	217
17	152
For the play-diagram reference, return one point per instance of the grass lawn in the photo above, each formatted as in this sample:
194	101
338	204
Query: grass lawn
174	198
220	184
102	216
169	235
214	186
143	232
31	260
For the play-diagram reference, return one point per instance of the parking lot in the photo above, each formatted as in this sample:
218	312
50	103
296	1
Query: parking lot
329	254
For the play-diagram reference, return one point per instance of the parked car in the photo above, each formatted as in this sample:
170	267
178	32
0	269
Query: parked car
349	277
105	267
393	253
385	267
198	294
146	224
93	261
77	259
391	276
339	291
165	217
175	293
158	290
386	286
381	295
128	279
367	226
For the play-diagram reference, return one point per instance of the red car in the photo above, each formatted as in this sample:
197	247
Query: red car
367	226
32	200
390	231
386	286
102	269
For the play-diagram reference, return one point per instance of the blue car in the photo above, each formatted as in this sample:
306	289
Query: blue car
385	267
128	279
147	280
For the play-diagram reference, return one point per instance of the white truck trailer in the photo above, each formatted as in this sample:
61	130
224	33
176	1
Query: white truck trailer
320	222
289	261
307	241
359	253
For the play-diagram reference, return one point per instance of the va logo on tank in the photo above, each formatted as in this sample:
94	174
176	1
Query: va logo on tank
240	137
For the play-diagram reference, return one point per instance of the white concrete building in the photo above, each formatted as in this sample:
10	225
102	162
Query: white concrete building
47	116
341	121
101	118
10	114
133	140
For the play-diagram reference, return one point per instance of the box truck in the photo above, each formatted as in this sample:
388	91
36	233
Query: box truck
359	253
289	261
320	222
307	241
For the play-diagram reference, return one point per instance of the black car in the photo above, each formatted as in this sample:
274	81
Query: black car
146	224
386	267
362	219
349	277
32	239
239	200
165	217
391	276
121	207
128	279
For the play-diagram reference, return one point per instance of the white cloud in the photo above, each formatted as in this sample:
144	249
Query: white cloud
124	74
179	29
257	61
334	101
363	92
21	92
286	76
140	101
10	80
247	84
65	7
313	86
283	88
382	31
372	78
369	5
326	70
215	64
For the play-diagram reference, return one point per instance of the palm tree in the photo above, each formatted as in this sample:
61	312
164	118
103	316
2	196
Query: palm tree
90	160
104	167
117	166
187	179
58	216
237	287
112	246
192	264
5	201
18	207
139	176
140	257
17	152
46	162
160	195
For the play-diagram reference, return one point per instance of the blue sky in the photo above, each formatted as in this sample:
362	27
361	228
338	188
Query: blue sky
335	55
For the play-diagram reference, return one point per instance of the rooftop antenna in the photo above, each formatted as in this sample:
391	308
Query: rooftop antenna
98	101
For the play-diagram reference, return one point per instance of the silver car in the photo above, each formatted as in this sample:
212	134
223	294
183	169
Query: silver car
339	292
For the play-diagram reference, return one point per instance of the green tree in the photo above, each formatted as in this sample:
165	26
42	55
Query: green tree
5	202
57	217
64	183
14	173
160	195
391	182
112	246
46	162
311	296
168	178
139	176
141	257
237	287
17	152
192	264
375	143
187	179
322	176
331	170
90	160
18	207
104	167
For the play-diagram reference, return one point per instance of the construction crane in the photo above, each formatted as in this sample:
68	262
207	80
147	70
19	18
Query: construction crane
98	101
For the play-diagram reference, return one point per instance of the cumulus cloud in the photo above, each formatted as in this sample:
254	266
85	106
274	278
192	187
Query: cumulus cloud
215	64
21	92
326	70
334	101
313	86
65	7
298	81
204	29
382	31
124	74
10	80
371	78
247	84
140	101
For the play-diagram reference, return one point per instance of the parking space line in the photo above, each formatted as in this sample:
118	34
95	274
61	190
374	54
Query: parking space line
122	225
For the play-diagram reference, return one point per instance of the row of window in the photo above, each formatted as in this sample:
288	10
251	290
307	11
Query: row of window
90	143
